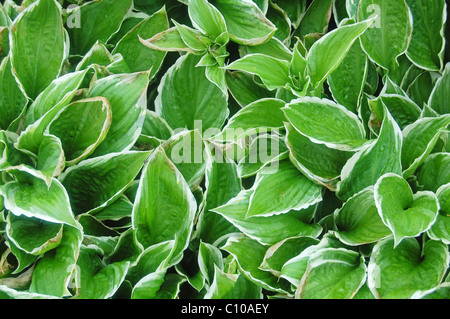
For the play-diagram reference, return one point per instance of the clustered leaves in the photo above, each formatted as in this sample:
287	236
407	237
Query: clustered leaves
224	149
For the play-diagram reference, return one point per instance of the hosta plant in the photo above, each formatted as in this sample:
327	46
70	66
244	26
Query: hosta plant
224	149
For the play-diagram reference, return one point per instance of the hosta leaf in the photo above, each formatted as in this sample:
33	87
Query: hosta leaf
164	207
383	156
81	127
358	221
398	273
434	172
317	161
428	39
440	292
150	260
267	230
209	257
169	40
264	151
402	109
186	151
406	214
98	54
232	286
127	95
259	116
51	159
419	139
390	35
93	25
221	184
54	270
96	182
274	73
32	235
32	197
440	230
332	274
316	18
440	95
249	255
327	53
280	190
206	17
137	56
326	122
95	280
280	253
348	79
12	99
38	46
244	89
245	22
185	95
59	93
274	48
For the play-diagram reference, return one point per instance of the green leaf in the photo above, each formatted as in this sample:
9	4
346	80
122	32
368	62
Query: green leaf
273	72
232	286
358	221
317	161
81	127
85	182
316	18
97	281
12	99
32	197
419	139
37	37
428	36
326	122
382	156
51	159
187	99
32	235
280	253
434	172
402	109
390	35
259	116
264	151
209	257
440	95
186	151
57	95
169	40
127	95
392	270
244	89
441	228
245	22
137	56
327	53
206	18
249	255
164	208
348	79
282	189
267	230
332	274
93	25
406	214
54	270
221	184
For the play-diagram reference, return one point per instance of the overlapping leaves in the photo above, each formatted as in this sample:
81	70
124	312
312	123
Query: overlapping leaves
224	149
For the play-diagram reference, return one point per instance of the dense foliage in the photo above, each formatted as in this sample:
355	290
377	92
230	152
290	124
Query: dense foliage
224	149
